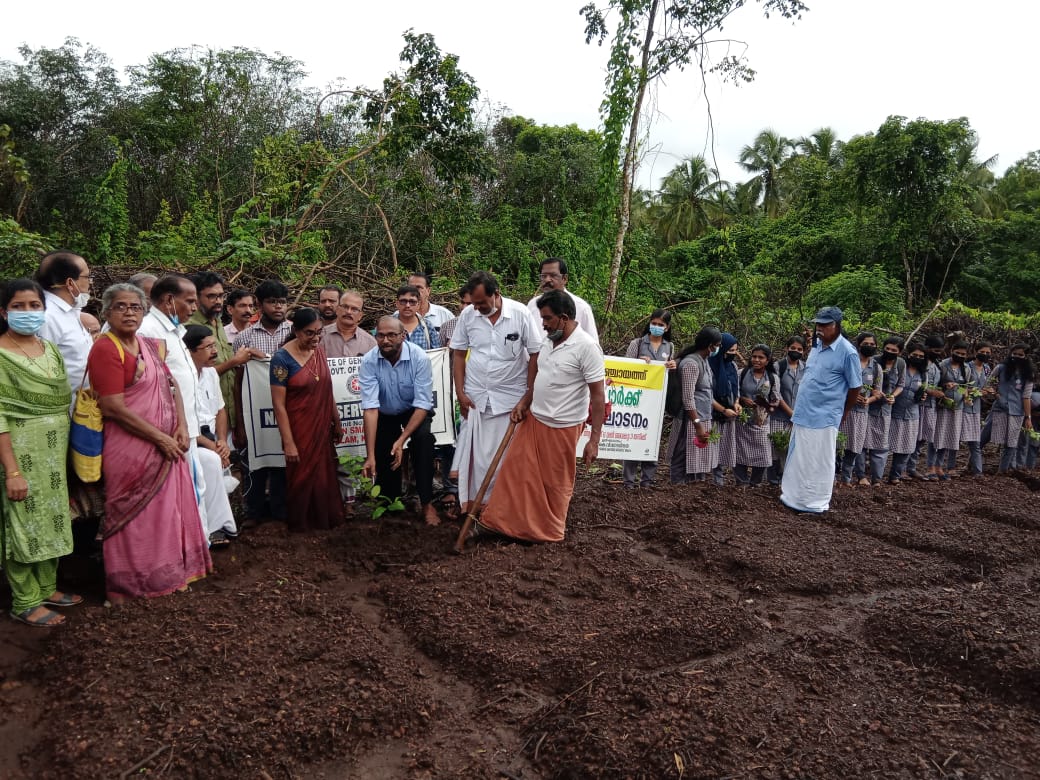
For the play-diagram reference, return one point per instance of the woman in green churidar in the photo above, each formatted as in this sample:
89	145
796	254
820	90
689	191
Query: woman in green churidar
34	437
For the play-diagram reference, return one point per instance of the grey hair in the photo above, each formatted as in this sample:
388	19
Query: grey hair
142	277
122	287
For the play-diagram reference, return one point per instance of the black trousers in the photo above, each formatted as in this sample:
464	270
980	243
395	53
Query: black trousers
420	445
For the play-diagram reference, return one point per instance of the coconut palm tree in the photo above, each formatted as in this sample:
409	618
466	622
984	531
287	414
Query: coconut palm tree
824	143
684	208
764	158
977	176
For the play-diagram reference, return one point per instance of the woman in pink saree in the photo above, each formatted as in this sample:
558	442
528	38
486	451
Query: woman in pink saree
154	543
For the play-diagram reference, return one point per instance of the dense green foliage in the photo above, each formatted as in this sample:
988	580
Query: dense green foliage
227	160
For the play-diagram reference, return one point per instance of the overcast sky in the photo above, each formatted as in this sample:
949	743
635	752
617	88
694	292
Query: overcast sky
845	64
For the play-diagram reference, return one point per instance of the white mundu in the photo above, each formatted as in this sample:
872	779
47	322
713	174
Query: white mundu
495	381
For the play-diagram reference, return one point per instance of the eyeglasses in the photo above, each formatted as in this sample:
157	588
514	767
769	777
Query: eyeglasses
215	296
209	347
407	302
312	334
87	275
388	336
122	308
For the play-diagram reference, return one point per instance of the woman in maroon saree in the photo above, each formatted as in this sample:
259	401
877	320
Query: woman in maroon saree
153	538
309	423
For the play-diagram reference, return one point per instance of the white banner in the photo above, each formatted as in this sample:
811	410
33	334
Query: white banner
635	394
265	443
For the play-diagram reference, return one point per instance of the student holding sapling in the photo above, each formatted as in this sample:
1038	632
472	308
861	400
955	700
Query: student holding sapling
760	395
693	450
893	379
933	350
971	422
1013	405
789	371
955	373
906	414
726	407
854	425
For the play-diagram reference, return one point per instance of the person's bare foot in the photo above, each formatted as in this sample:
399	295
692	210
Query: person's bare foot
430	515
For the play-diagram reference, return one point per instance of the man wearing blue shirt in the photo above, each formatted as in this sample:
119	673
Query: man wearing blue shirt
828	392
397	399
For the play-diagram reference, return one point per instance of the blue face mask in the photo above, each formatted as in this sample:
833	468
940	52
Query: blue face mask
714	352
657	330
26	323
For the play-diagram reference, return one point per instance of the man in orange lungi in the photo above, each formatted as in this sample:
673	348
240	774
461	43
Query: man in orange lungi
536	480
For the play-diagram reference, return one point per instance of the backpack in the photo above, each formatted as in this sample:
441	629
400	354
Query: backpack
673	400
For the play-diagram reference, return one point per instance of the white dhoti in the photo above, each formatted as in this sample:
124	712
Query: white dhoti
215	508
809	474
475	448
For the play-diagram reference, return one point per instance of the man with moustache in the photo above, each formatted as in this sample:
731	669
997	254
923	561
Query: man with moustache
433	313
552	275
493	381
265	496
397	399
536	480
328	301
343	338
65	279
210	289
829	390
240	307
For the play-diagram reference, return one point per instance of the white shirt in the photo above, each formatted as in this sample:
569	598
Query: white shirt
63	328
157	325
438	315
582	314
211	400
561	388
496	372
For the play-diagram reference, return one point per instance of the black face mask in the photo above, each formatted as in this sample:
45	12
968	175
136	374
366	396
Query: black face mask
983	358
793	356
729	357
888	357
919	363
867	350
956	359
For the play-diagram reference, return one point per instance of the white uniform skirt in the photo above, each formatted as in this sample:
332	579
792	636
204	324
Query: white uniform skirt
855	428
971	427
878	431
927	432
753	446
948	429
903	436
1004	429
728	442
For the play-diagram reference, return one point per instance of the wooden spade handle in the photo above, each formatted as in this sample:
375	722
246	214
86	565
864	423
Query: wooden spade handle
471	516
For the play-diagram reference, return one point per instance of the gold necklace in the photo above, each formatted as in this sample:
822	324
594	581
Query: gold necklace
44	368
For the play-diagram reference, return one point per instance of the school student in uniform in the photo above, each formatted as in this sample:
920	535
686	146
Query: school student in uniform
971	422
855	424
955	375
654	344
906	414
789	370
893	379
760	395
933	350
691	453
726	404
1013	405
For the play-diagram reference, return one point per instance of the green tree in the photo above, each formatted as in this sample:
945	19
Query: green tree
684	211
651	38
765	158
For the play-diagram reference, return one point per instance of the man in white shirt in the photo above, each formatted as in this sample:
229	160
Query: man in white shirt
536	481
174	300
65	278
434	314
552	275
494	382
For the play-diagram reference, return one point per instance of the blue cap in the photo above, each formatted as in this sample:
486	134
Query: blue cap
828	314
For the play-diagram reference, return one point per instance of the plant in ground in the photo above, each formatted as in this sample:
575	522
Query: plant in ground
367	489
841	442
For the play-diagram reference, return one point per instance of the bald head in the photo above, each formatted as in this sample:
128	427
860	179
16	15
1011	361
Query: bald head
389	323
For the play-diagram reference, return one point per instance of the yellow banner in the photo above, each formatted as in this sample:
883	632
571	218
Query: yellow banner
649	376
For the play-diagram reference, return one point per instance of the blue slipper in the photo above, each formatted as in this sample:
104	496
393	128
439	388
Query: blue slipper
66	600
50	620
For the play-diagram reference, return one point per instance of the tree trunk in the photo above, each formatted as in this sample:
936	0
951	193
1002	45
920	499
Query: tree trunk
909	281
628	169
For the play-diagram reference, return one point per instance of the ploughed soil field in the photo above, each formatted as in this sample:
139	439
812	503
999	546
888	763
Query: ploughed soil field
683	632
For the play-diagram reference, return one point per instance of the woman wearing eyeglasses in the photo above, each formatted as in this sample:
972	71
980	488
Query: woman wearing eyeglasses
153	538
309	423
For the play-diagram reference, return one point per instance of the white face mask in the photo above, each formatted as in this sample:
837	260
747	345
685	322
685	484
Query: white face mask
492	313
82	299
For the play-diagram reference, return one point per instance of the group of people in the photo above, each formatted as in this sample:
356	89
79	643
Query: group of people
167	374
167	359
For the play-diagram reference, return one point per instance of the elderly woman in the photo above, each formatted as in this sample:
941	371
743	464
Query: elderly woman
34	435
309	423
153	538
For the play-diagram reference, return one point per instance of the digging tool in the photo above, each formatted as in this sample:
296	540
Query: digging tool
471	516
